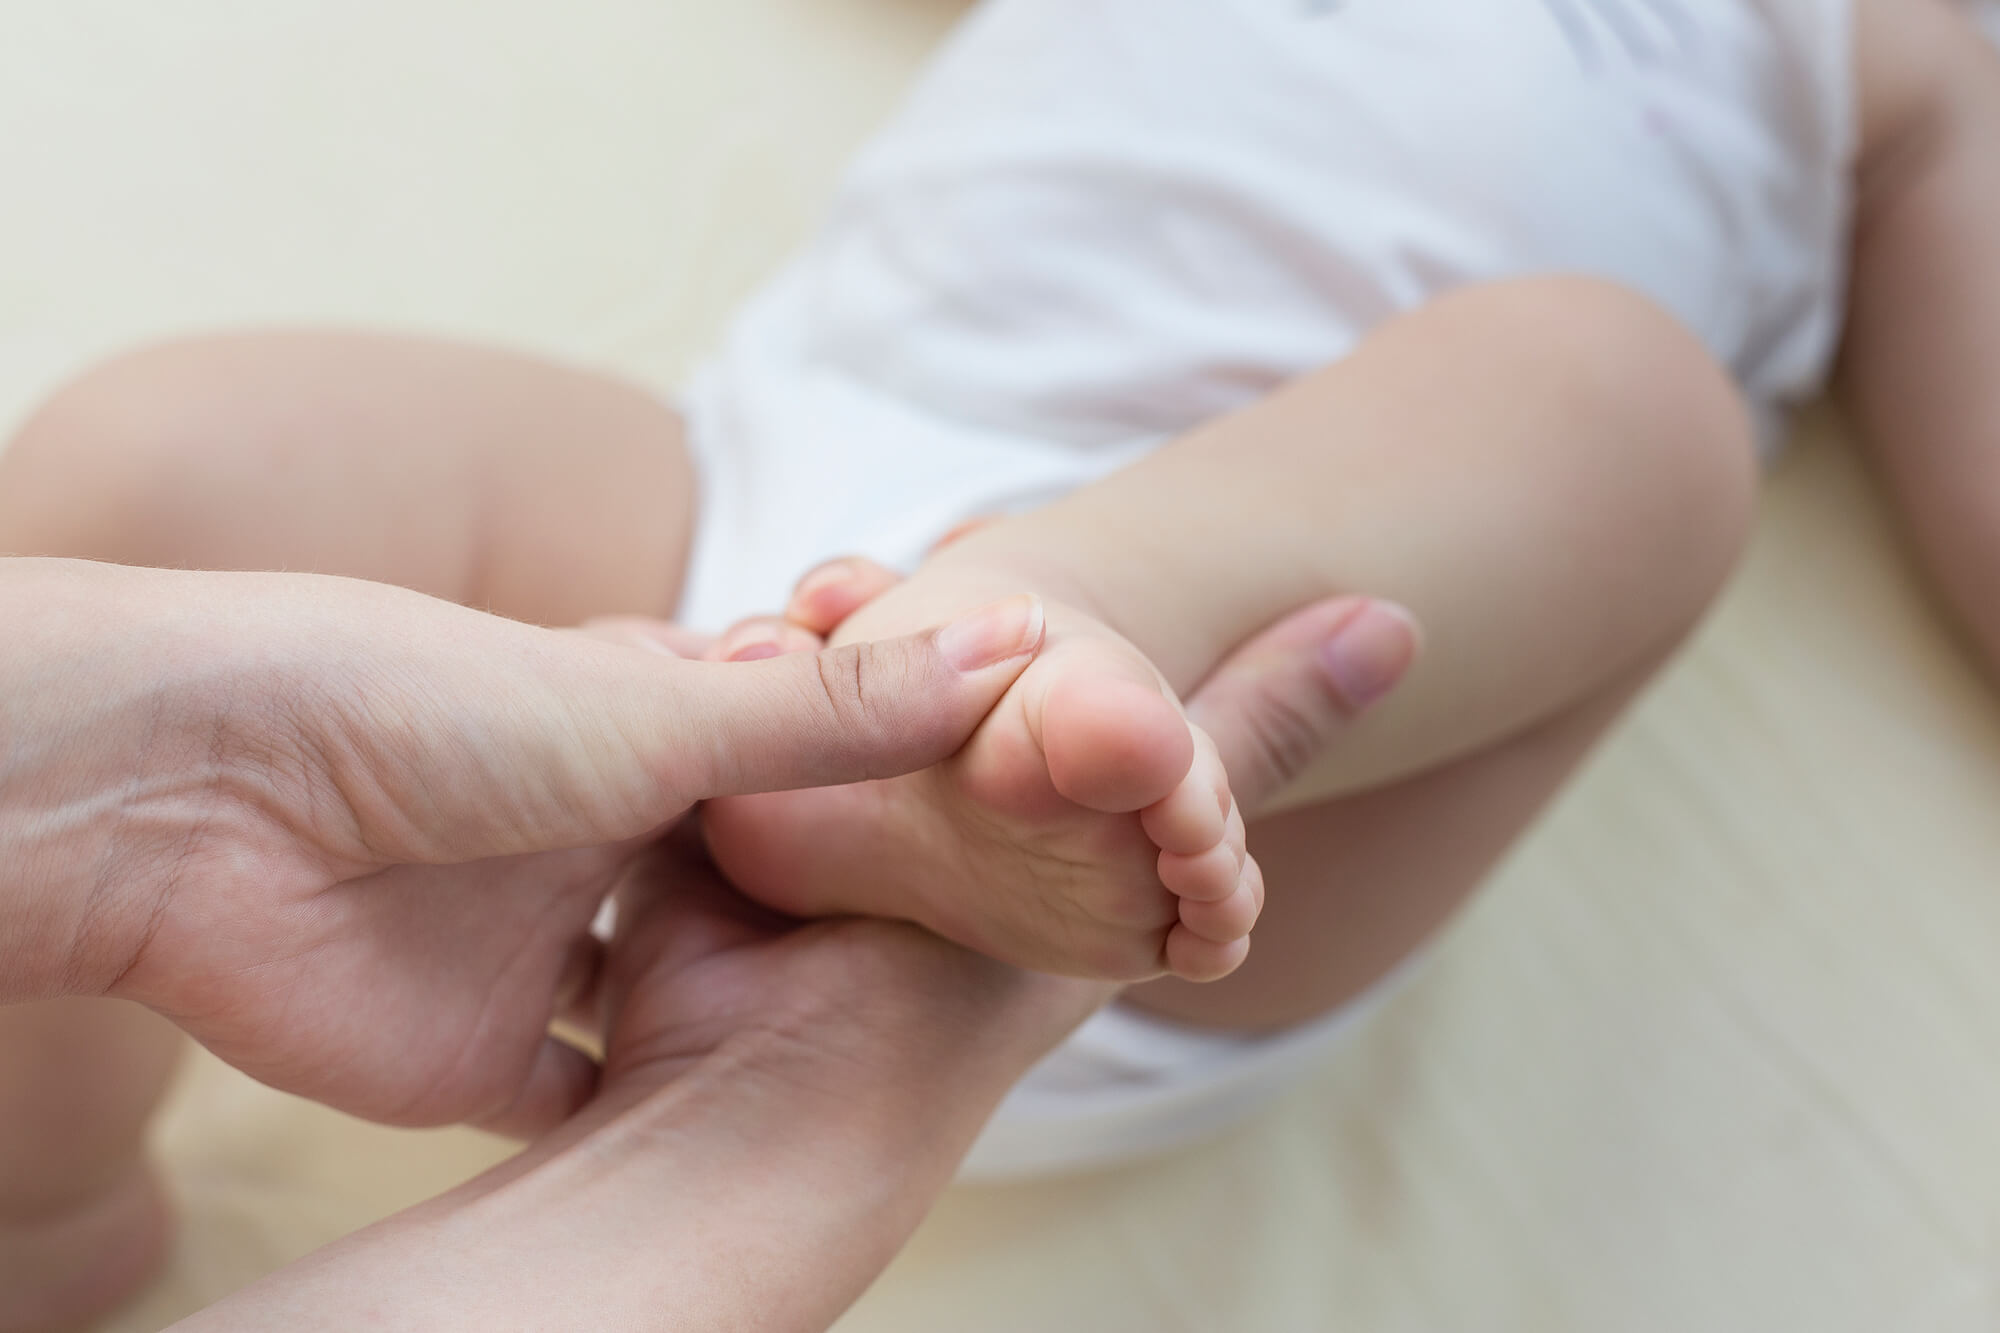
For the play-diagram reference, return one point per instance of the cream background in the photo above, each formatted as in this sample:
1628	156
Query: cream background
1719	1050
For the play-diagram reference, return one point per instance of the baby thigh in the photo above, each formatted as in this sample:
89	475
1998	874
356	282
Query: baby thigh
1550	472
482	476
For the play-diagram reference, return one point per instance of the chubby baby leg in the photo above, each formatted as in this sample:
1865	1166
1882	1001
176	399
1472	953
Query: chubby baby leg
83	1219
482	476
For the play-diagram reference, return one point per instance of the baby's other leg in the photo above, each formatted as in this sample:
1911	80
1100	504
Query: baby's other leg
83	1222
481	476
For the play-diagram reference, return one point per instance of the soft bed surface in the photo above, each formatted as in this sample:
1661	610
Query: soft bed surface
1720	1047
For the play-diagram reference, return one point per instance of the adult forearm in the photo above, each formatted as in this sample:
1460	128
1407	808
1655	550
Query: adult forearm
731	1199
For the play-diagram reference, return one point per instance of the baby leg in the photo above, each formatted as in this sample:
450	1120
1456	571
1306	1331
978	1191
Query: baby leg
482	476
485	477
83	1223
1551	593
1550	473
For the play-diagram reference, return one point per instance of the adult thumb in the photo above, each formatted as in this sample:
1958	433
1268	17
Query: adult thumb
1286	696
433	734
846	714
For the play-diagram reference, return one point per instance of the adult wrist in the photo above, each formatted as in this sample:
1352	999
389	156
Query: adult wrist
64	916
845	1112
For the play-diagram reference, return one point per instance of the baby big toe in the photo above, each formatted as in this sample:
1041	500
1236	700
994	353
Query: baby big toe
1112	744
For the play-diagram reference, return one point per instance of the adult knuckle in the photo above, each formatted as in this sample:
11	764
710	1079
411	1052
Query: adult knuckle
855	687
1286	737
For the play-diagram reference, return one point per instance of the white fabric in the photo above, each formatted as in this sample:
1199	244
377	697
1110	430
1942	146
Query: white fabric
1126	1086
1099	222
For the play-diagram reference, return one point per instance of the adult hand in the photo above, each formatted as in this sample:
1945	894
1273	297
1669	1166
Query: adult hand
780	1105
350	837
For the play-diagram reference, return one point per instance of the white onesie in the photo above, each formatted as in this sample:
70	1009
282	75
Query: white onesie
1097	223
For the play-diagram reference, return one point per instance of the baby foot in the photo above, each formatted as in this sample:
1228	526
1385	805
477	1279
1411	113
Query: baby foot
1086	828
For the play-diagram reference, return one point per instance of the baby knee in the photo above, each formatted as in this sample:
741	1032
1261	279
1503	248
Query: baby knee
95	456
1676	415
1671	448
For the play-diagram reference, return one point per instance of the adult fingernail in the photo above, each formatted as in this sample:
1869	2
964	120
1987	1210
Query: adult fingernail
1369	653
993	634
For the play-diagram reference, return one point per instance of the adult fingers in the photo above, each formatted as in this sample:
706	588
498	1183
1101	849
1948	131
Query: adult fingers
759	637
835	590
559	1082
674	909
846	714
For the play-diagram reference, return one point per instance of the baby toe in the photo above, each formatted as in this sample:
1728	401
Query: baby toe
1231	916
1194	816
1112	743
1193	958
1208	876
